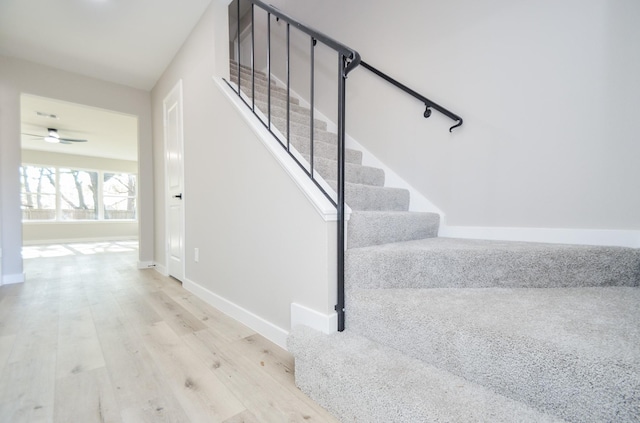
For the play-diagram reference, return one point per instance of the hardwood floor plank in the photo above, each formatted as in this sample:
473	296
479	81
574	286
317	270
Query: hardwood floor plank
266	398
141	391
202	395
176	316
223	327
79	349
86	397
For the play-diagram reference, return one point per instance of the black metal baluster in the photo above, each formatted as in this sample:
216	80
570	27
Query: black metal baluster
288	89
253	57
341	188
312	83
238	38
269	70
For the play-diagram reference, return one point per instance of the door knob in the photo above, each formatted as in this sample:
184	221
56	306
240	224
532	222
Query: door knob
179	196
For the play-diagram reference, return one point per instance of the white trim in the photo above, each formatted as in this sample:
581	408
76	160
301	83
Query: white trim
608	237
265	328
12	279
146	265
160	268
322	205
79	240
176	90
418	202
302	315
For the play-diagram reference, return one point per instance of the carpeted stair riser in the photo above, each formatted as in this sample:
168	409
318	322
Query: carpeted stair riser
570	352
323	149
354	173
460	263
368	228
366	197
360	381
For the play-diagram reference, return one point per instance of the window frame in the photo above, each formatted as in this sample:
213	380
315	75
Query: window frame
100	197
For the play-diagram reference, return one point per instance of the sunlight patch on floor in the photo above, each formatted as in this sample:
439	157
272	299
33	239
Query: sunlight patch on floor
77	249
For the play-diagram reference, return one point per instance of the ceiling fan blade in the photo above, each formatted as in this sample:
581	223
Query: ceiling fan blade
70	140
34	135
65	142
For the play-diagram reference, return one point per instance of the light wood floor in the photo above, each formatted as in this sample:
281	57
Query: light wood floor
90	338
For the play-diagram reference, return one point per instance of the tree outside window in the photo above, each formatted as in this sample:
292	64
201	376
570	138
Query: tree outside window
119	196
50	193
78	194
38	192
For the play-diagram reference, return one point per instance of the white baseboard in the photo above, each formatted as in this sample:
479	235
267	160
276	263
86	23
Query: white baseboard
325	323
11	279
162	269
146	265
265	328
619	238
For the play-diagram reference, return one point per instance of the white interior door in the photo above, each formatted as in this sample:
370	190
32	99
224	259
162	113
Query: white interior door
174	181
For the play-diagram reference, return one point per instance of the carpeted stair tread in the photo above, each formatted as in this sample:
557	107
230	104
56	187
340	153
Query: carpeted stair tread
466	263
355	173
302	130
570	352
381	227
325	150
296	115
367	197
361	381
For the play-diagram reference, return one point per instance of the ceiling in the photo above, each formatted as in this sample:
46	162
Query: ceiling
110	134
130	42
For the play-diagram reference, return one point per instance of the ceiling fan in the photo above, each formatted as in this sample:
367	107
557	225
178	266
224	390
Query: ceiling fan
54	138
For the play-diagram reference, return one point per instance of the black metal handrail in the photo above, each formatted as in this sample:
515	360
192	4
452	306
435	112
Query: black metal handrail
348	59
428	103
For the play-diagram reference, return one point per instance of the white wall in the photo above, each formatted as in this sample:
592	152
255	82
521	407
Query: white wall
48	232
17	77
549	91
262	244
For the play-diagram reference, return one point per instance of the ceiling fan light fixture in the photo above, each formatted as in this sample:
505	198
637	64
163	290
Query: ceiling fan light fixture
52	140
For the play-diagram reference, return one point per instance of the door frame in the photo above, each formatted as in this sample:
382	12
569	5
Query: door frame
177	92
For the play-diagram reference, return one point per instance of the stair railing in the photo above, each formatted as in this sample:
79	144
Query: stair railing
348	60
428	103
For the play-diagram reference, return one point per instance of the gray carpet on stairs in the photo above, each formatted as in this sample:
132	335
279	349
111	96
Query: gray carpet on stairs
465	263
368	228
362	381
571	352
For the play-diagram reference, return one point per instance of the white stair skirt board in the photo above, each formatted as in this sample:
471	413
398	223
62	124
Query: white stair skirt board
322	205
302	315
265	328
11	279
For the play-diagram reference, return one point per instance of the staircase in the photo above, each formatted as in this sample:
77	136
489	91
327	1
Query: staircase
454	330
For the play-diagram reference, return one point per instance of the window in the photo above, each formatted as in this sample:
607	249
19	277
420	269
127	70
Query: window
119	196
78	194
38	192
65	194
